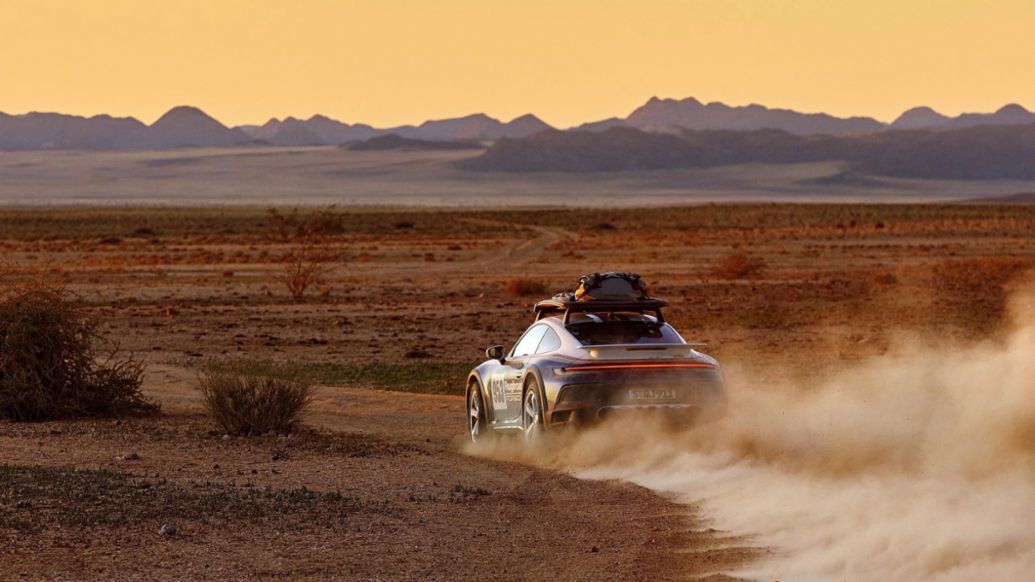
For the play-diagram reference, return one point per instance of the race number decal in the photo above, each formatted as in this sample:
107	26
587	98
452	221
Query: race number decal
499	394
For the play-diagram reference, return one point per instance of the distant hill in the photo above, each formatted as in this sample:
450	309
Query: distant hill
34	131
393	141
180	127
186	126
317	130
927	118
522	126
478	127
602	124
291	132
671	114
1012	114
920	118
263	132
472	127
981	152
334	132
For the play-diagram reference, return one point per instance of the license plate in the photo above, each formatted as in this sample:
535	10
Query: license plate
645	394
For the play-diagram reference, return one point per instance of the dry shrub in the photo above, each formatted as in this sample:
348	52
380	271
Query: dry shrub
310	257
739	266
248	401
305	264
520	287
50	366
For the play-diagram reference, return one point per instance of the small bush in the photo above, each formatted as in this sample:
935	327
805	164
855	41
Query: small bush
309	257
305	264
50	366
520	287
247	401
739	266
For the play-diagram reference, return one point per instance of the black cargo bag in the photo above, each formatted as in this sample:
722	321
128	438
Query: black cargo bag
611	287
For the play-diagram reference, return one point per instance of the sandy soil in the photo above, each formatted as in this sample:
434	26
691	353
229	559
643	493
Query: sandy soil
412	505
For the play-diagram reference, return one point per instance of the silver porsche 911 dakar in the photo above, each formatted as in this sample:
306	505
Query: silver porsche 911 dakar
599	352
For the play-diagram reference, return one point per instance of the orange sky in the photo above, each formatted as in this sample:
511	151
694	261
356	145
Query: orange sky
388	62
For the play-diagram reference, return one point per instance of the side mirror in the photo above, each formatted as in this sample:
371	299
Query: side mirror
495	353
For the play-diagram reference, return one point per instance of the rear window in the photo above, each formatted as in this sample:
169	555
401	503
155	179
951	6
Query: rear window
595	333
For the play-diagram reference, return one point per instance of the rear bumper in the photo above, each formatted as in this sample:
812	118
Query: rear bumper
589	403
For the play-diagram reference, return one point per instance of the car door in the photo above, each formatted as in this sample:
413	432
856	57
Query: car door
505	387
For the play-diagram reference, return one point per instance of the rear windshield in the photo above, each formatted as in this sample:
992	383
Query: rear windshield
595	333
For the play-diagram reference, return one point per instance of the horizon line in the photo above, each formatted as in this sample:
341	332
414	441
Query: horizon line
503	119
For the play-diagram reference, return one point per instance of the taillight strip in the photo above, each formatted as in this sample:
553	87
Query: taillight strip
590	367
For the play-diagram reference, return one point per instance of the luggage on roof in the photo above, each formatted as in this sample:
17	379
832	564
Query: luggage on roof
602	292
611	287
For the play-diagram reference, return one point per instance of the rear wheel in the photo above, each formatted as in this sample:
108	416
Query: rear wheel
475	413
532	413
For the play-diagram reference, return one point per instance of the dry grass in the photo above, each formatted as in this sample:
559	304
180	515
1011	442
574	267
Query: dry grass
523	287
245	401
739	266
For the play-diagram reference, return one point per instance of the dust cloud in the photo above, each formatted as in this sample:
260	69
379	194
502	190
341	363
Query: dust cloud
917	465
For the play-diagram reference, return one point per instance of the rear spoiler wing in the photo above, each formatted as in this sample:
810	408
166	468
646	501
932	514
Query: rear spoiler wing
567	306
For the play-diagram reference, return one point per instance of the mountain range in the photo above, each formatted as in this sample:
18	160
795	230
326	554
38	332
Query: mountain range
670	115
179	127
190	127
981	151
927	118
320	130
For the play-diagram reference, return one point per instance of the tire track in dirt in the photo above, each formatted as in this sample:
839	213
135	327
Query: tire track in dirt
524	251
513	254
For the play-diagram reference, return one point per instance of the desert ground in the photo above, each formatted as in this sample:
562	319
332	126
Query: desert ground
379	484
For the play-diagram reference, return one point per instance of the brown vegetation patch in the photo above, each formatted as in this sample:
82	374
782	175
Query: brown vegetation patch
739	266
524	287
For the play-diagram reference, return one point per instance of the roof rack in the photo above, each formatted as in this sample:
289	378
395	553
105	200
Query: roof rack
567	305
